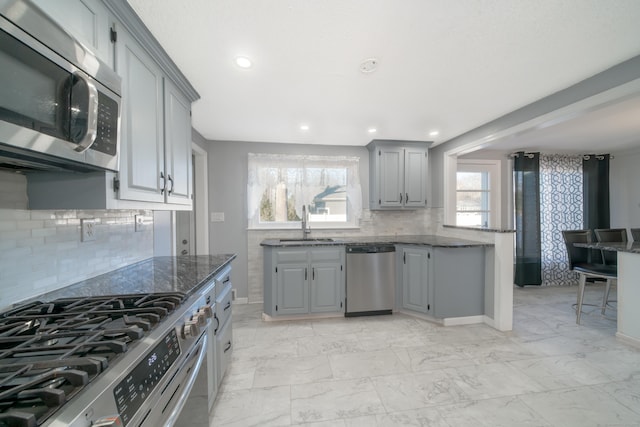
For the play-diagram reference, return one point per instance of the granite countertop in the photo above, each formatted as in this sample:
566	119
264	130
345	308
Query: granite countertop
485	229
631	247
426	240
159	274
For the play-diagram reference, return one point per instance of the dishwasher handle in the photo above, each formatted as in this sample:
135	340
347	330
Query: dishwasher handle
370	249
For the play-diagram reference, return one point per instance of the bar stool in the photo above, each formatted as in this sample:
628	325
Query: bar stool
613	235
580	263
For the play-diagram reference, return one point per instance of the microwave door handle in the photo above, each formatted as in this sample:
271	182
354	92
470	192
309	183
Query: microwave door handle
92	115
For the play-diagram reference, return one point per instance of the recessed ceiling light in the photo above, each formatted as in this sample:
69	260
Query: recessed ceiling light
372	130
243	62
434	133
304	127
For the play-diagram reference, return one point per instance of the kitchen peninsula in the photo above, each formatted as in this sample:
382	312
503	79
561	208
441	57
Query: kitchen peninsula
628	289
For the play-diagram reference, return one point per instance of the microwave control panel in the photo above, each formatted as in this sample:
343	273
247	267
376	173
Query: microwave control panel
107	135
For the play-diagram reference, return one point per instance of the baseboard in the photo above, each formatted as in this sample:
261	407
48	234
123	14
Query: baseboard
628	340
310	316
466	320
489	321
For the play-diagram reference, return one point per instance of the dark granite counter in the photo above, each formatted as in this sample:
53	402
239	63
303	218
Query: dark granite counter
426	240
159	274
631	247
484	229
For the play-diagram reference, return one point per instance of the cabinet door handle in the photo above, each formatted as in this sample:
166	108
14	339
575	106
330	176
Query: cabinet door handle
164	183
400	197
313	274
227	307
305	273
215	331
227	347
406	197
171	181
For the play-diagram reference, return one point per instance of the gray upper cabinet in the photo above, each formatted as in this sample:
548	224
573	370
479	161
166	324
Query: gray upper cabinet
398	174
155	143
141	139
177	141
88	21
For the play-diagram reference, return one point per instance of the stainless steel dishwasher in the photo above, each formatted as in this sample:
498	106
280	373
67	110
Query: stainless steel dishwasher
371	277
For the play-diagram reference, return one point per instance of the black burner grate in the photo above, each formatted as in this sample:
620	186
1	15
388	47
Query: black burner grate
50	350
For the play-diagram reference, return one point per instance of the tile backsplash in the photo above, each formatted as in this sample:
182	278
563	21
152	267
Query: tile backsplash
41	251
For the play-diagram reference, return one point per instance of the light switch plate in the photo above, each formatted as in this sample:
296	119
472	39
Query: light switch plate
88	229
217	216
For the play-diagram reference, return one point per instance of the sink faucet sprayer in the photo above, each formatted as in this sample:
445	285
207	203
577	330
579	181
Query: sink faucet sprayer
305	227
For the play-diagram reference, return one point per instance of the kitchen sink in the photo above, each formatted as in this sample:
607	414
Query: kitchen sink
311	240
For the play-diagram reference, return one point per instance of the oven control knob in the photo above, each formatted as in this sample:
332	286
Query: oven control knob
112	421
190	329
200	318
207	311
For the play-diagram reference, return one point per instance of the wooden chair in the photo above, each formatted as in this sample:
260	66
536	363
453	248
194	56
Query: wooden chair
580	263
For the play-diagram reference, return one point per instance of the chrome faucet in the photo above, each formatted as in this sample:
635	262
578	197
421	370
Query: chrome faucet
305	227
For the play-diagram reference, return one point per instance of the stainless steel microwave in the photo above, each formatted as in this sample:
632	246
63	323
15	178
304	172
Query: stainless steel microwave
59	104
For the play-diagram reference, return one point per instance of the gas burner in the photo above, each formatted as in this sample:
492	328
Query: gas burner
49	351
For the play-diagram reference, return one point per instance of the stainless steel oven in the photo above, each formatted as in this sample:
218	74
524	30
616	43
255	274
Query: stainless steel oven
121	360
59	105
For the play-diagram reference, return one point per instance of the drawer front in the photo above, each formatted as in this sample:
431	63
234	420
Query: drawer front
223	306
224	349
222	280
291	256
327	254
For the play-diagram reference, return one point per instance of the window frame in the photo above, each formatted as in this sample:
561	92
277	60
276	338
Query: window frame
493	169
353	192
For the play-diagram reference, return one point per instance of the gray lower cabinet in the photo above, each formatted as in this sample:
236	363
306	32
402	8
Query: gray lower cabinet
303	280
415	279
443	282
458	277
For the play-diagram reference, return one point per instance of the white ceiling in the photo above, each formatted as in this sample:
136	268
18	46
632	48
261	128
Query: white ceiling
442	65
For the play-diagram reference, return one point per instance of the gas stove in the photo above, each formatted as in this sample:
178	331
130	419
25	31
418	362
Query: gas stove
94	360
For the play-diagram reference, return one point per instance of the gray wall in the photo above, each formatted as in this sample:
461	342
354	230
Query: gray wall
624	184
228	193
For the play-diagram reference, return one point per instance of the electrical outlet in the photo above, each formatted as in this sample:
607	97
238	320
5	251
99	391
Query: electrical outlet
143	222
88	230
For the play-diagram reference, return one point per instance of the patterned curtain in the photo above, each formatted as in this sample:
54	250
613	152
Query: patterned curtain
561	204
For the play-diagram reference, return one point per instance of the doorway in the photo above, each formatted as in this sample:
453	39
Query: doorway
192	228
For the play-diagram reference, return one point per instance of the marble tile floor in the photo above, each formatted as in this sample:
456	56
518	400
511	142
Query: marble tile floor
402	371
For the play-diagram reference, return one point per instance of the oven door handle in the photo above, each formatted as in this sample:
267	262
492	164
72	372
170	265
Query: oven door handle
175	412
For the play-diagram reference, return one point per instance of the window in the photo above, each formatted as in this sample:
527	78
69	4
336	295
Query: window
279	185
476	200
472	198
